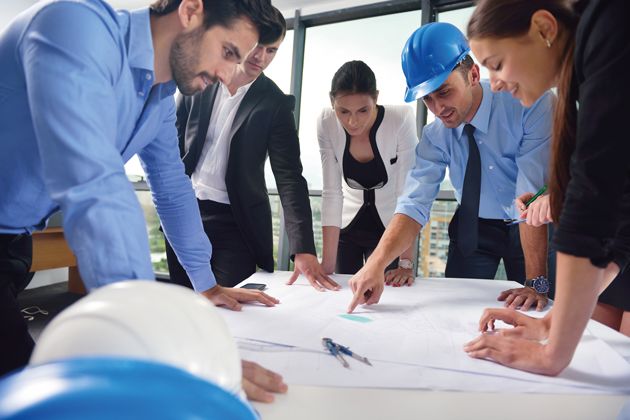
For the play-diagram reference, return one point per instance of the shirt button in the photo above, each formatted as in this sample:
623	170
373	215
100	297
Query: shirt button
141	93
490	167
148	76
480	142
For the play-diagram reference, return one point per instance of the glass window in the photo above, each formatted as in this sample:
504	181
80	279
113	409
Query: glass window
460	19
156	238
280	68
280	72
378	42
134	170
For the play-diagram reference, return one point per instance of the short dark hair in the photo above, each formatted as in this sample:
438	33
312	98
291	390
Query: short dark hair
280	23
354	77
464	66
224	12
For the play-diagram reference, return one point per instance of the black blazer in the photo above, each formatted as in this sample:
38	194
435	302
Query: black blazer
595	219
263	125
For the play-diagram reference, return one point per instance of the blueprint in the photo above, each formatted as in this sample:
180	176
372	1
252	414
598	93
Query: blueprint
414	338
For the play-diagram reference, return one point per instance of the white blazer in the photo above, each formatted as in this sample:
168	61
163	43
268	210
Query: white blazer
396	139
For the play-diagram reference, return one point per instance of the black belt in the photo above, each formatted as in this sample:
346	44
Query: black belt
213	207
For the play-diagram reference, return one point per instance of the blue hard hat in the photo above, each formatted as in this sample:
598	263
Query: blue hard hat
430	55
115	388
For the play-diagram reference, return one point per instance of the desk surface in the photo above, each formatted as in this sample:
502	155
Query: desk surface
315	402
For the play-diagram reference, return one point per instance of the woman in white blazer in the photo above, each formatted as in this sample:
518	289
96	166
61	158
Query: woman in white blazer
366	150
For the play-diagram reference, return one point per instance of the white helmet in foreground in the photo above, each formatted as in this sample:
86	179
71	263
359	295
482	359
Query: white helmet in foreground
150	321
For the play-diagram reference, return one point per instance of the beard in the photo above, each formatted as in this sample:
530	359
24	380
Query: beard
184	60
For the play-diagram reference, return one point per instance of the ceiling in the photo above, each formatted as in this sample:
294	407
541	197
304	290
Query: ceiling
287	7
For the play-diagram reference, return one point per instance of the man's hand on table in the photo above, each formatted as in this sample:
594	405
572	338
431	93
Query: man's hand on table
309	267
232	298
259	383
523	297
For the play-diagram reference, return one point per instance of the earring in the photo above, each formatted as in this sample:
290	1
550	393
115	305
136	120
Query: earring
545	39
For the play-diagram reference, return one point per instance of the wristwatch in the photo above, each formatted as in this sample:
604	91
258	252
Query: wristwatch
405	263
540	284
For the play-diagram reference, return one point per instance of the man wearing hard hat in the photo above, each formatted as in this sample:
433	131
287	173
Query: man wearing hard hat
494	149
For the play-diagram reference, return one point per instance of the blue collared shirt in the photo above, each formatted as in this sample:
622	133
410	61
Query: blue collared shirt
77	100
514	144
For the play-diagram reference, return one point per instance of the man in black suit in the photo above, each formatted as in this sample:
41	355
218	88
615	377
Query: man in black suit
225	135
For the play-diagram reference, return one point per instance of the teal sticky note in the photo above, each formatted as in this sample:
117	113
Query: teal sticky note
356	318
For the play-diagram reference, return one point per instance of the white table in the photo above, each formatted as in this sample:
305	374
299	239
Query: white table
314	402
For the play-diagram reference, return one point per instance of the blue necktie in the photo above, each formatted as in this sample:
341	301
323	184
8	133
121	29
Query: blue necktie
467	230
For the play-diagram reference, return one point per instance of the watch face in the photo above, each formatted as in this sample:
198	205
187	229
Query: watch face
541	284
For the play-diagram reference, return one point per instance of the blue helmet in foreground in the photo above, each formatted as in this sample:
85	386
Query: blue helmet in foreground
115	388
430	55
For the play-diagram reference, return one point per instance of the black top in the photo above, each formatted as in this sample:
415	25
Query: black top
595	219
367	176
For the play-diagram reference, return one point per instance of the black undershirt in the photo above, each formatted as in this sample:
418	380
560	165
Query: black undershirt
367	176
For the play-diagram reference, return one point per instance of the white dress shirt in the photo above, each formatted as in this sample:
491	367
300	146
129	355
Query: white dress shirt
208	180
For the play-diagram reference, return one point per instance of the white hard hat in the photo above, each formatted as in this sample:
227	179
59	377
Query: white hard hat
150	321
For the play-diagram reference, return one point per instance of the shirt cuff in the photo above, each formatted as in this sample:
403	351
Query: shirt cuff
413	212
202	279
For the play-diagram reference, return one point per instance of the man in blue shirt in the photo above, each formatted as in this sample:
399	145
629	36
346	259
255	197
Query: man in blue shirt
83	88
508	146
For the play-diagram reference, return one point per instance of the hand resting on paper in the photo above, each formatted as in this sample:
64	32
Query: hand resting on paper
524	326
259	383
232	298
523	297
309	267
399	277
516	347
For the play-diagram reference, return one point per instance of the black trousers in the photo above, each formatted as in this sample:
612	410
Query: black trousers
232	261
496	241
16	344
355	247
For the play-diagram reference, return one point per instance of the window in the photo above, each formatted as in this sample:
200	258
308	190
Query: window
280	72
460	19
378	42
280	68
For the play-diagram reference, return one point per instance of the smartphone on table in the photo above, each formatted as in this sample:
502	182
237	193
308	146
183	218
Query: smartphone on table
254	286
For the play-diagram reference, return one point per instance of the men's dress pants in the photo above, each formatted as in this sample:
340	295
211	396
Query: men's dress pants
16	344
232	261
496	241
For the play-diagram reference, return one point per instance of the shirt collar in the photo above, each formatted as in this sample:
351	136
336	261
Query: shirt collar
140	44
140	53
240	91
481	120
